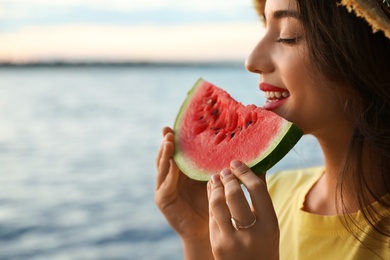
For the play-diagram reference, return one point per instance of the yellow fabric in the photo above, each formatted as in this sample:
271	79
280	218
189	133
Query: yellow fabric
308	236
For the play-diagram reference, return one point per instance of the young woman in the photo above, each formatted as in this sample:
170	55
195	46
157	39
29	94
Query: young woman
336	71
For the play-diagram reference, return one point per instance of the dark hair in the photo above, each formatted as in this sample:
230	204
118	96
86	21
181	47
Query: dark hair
345	49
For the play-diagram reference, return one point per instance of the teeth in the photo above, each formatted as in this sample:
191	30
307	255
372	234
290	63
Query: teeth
276	94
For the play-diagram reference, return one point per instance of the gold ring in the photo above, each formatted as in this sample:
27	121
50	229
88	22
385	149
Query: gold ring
237	226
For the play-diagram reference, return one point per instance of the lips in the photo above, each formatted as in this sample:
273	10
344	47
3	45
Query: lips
275	96
272	92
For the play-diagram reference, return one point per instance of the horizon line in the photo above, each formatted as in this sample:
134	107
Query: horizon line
232	63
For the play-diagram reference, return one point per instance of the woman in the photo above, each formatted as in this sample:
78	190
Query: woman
336	71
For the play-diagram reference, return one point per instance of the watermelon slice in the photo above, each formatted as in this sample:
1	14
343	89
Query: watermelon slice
212	129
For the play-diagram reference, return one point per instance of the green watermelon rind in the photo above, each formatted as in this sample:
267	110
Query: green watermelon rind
275	154
289	135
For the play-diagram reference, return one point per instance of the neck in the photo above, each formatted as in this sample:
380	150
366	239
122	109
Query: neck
322	198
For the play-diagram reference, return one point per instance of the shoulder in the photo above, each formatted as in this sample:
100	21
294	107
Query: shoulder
292	180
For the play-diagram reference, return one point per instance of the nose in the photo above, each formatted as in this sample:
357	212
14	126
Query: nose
260	60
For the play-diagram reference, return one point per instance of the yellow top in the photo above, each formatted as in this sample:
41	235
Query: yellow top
309	236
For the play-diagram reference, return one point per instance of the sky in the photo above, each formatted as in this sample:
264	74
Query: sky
127	30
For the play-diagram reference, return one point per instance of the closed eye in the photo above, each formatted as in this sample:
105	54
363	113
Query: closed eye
289	41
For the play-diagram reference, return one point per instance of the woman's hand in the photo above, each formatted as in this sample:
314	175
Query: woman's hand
182	201
258	237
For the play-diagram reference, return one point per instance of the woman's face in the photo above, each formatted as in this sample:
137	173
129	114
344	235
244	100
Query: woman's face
293	88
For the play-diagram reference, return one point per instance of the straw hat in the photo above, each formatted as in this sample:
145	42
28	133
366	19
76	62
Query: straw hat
375	12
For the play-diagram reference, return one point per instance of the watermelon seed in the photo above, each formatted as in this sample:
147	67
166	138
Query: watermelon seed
232	135
249	123
211	102
201	117
215	111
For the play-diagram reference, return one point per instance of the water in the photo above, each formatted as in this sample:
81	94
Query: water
77	150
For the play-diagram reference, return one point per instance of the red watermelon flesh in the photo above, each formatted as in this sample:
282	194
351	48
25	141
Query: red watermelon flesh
212	129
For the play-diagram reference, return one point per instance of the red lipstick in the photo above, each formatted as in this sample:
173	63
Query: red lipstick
268	87
275	96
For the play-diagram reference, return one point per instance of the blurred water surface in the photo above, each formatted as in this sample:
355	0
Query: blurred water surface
77	150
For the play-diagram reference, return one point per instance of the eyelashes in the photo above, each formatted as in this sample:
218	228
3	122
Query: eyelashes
289	41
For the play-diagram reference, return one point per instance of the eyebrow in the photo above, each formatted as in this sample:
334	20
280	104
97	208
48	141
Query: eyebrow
283	14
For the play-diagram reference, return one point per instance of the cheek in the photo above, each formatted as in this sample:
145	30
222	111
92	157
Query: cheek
308	103
311	105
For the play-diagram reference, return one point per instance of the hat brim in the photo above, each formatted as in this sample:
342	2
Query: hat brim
372	12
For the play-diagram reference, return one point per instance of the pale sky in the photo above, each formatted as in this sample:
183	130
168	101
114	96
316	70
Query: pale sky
127	30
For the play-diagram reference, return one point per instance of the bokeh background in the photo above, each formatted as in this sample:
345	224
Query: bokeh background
85	88
120	30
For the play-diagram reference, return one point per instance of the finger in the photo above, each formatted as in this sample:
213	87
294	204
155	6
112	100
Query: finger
219	211
172	178
159	154
167	191
168	138
257	189
166	130
164	162
212	223
235	197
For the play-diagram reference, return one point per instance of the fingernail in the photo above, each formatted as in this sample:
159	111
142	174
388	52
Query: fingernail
235	164
225	172
215	179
